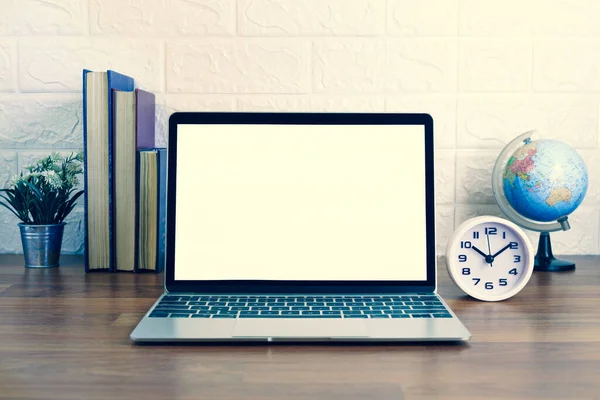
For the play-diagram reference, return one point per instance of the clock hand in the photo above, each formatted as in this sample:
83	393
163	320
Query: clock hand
489	259
504	248
479	251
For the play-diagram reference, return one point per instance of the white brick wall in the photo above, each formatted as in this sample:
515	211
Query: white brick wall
486	70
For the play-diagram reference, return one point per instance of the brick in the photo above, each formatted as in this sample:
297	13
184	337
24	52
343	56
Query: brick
474	176
566	66
440	106
348	66
9	232
41	121
237	66
163	17
315	103
422	18
8	167
494	65
592	163
56	64
499	19
74	231
199	102
566	18
51	17
582	238
427	65
444	226
8	64
311	17
491	121
516	18
445	176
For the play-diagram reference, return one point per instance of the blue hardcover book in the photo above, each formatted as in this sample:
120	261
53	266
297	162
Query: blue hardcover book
99	241
152	209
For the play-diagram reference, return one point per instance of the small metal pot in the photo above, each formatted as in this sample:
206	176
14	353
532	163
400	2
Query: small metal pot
42	244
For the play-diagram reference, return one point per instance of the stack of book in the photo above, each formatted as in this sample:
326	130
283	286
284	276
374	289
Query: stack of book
124	176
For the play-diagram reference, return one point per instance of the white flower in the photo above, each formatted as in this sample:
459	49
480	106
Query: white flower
13	180
52	179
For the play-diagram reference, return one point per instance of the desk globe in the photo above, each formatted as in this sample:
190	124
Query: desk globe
538	183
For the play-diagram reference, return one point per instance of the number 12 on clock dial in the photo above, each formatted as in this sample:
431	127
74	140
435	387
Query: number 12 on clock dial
489	258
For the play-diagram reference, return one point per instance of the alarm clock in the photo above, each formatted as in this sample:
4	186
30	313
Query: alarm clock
489	258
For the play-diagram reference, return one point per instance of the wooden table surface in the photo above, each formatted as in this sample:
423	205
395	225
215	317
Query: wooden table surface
64	334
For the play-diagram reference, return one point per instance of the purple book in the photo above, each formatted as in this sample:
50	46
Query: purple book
144	123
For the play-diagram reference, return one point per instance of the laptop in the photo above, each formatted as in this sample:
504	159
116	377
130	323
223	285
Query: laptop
300	227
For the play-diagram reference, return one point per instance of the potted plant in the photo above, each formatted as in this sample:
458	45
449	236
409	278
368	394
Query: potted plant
42	198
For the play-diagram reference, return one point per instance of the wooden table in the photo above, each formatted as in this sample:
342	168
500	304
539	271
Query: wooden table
64	334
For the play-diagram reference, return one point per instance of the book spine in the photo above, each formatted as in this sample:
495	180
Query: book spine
86	245
162	209
136	265
126	83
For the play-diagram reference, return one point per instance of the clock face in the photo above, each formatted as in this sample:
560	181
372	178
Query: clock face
490	258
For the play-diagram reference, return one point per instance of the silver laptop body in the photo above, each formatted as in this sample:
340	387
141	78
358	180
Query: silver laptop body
300	227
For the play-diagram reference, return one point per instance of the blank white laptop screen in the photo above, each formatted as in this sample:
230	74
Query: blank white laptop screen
300	202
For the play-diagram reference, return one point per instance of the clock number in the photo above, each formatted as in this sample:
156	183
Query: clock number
489	285
503	282
465	245
466	271
476	280
517	258
462	258
503	235
513	271
475	235
514	245
490	231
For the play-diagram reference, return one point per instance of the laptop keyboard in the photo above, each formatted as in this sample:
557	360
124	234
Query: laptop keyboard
216	306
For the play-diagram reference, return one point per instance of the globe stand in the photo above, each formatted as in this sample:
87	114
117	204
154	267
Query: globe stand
545	260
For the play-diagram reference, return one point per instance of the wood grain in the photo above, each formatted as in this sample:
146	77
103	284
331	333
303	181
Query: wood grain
64	334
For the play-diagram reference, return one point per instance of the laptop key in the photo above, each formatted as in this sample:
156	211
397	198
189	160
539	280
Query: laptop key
224	315
289	313
155	314
269	313
421	315
203	315
355	316
341	308
442	315
239	308
321	308
179	311
181	306
379	316
179	316
399	316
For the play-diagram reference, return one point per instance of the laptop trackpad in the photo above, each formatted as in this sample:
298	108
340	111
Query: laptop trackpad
300	328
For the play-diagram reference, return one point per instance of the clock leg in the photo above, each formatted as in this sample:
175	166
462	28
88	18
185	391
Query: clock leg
545	260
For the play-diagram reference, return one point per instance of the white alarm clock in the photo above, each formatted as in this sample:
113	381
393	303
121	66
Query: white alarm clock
489	258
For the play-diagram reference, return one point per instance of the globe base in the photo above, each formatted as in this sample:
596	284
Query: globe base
545	260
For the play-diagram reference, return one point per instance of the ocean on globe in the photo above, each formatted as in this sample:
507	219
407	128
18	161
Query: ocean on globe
545	180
